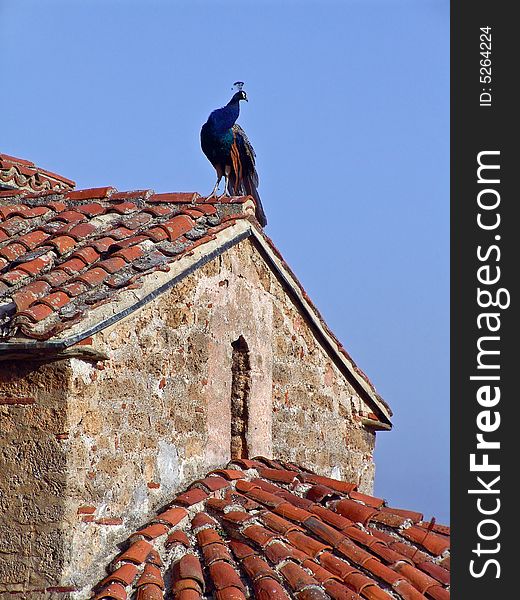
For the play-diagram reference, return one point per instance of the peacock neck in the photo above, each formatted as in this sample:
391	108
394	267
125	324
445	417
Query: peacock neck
223	119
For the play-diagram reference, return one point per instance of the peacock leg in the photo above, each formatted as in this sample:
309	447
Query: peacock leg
218	170
227	171
214	190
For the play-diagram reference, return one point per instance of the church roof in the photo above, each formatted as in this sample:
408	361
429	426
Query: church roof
272	530
73	262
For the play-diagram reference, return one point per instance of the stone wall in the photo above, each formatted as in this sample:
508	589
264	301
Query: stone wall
157	414
33	474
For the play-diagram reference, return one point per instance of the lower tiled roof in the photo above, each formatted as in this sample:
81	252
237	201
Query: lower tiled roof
271	530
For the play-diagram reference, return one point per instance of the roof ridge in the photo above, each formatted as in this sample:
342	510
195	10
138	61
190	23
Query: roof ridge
24	174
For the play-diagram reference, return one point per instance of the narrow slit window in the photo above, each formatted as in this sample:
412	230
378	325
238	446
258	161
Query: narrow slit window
240	387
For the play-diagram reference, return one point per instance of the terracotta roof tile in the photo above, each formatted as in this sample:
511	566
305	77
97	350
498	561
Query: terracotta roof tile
278	475
296	576
436	571
151	575
124	574
177	537
231	474
215	552
153	531
173	516
137	553
433	542
407	514
355	511
338	591
268	589
112	590
149	591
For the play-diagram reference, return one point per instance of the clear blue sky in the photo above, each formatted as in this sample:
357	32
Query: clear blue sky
349	115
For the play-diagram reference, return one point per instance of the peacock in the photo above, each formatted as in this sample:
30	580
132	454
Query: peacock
230	152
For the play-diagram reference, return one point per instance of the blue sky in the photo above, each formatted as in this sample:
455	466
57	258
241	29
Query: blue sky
349	115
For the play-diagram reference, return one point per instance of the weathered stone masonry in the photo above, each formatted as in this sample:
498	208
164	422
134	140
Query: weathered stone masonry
100	445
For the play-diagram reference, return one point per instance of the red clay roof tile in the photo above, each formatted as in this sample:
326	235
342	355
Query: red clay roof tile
292	512
188	595
189	567
136	553
177	537
436	571
366	499
278	552
336	565
153	531
241	550
411	553
296	576
112	590
173	516
205	537
258	534
82	231
149	591
330	517
319	573
223	575
231	474
431	541
420	580
202	519
237	517
256	567
317	493
37	312
338	591
125	575
324	532
177	226
151	575
92	209
439	593
268	589
353	552
295	500
176	198
230	593
89	194
278	475
212	483
216	551
355	511
278	524
406	590
407	514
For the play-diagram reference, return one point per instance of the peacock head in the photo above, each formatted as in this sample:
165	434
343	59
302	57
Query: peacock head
241	95
239	92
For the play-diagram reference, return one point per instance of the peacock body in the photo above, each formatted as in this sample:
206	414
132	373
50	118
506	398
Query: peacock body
228	149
